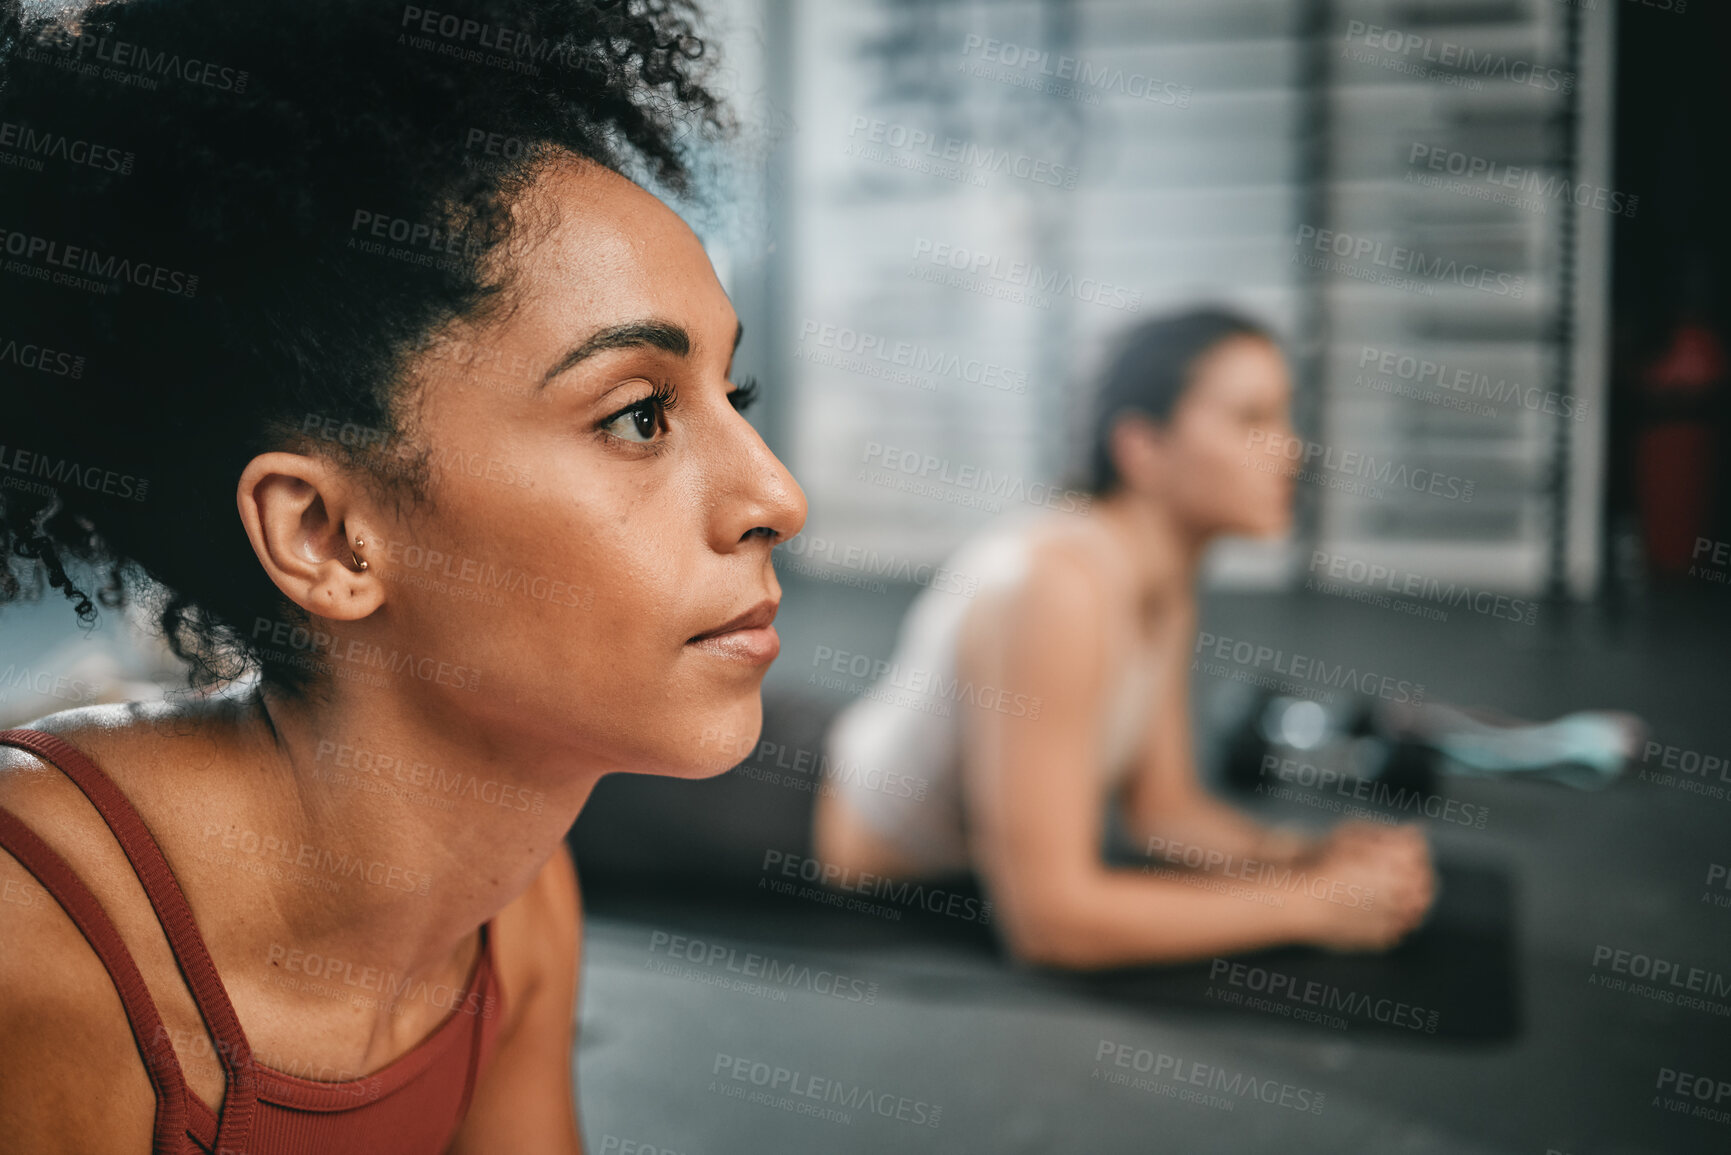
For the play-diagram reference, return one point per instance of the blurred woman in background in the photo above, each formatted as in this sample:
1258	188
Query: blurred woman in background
1089	623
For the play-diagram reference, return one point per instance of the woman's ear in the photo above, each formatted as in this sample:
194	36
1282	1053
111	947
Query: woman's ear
1138	447
303	525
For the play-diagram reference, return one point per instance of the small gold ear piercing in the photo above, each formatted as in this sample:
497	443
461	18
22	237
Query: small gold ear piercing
359	545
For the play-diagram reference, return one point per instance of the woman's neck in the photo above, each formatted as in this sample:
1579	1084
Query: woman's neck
1165	555
429	822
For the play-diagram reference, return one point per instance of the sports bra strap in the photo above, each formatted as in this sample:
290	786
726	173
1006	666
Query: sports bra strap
172	912
160	1063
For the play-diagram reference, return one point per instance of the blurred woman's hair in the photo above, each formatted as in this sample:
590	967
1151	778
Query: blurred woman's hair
1152	366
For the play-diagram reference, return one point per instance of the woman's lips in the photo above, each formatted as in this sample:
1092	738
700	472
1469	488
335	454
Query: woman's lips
747	637
758	644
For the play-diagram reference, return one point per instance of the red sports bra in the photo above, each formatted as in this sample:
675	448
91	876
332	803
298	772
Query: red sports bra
413	1105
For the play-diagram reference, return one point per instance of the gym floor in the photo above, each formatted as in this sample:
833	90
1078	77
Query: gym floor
713	1013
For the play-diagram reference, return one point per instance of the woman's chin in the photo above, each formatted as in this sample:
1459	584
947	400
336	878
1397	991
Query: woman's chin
726	738
712	769
1263	528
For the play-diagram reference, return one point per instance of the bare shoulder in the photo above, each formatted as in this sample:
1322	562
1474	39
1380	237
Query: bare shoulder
43	799
1070	568
128	742
125	739
64	1040
112	721
1056	621
63	1033
77	726
128	731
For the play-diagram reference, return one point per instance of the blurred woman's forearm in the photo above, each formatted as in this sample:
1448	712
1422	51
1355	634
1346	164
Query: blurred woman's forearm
1118	918
1169	833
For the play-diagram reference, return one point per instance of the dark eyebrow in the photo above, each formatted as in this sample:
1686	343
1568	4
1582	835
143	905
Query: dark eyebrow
634	334
663	335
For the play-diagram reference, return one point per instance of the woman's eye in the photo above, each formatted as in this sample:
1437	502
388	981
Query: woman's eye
637	424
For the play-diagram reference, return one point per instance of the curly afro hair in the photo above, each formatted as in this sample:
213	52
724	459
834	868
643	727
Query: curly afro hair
188	269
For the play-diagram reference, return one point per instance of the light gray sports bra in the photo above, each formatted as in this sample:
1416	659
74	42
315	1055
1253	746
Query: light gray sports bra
894	755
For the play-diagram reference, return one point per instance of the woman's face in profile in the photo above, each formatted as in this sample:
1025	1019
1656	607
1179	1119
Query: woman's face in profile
586	533
1238	402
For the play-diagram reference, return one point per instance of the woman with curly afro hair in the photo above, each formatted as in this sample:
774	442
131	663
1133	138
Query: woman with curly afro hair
346	336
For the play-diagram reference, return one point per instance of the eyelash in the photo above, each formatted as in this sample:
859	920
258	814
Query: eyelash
663	397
